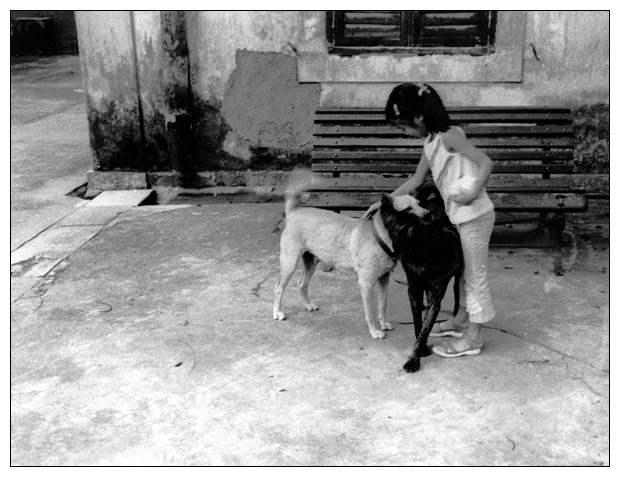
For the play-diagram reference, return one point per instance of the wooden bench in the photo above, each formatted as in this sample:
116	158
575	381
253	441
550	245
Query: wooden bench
360	155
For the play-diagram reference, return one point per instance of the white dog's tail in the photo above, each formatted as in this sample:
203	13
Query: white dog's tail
299	182
291	200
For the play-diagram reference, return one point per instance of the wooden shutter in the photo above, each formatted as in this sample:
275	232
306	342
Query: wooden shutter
453	29
370	28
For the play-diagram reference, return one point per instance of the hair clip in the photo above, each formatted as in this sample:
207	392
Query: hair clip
423	89
396	111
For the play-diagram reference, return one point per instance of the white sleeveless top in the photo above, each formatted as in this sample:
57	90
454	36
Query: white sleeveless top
446	168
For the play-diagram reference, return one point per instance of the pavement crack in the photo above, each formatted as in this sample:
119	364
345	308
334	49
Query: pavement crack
276	227
56	111
257	289
144	212
41	232
580	378
228	252
550	348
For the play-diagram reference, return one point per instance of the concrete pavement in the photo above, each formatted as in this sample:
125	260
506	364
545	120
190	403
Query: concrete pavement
50	152
142	335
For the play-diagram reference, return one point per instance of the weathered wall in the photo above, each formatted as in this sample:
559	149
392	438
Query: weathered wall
163	67
110	82
135	69
241	64
244	73
564	55
230	89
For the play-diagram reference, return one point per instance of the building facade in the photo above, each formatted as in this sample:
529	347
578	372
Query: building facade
210	90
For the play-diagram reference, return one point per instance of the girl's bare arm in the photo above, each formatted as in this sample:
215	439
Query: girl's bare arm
456	141
416	179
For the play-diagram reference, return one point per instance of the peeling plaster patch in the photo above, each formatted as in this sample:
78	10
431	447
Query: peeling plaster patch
265	105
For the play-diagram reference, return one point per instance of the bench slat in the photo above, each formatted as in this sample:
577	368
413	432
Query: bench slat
360	145
460	109
513	202
459	118
470	131
496	183
353	142
410	168
414	155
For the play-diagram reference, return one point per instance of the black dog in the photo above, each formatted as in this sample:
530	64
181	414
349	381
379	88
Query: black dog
429	250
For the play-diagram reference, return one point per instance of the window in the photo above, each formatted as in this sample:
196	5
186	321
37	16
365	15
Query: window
420	32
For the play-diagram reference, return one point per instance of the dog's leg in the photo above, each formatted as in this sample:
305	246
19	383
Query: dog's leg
382	289
289	256
434	296
310	264
415	290
367	285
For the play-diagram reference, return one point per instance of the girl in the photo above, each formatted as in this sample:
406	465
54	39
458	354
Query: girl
459	171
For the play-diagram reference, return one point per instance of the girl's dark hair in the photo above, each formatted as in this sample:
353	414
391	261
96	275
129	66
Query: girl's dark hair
408	100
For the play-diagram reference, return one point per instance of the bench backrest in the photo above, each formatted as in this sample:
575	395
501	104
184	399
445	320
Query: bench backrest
362	155
519	140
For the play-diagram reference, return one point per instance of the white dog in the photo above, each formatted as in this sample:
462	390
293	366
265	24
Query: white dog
342	242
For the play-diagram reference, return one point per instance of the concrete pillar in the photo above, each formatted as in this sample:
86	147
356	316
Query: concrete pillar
108	65
135	68
176	88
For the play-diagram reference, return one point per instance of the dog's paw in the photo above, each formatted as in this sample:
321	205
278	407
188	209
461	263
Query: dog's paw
412	365
386	326
279	316
377	334
311	307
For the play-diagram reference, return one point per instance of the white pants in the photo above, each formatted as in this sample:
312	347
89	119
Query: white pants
475	296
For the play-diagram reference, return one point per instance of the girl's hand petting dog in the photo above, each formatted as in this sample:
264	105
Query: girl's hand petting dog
400	203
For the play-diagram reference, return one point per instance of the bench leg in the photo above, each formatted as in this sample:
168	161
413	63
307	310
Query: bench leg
556	225
542	224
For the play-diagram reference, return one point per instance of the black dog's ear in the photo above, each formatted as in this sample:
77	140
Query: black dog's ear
385	197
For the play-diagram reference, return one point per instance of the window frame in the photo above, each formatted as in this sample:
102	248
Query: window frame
316	65
408	26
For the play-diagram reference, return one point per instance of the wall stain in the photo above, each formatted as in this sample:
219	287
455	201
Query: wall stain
115	137
157	151
265	109
208	131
